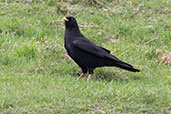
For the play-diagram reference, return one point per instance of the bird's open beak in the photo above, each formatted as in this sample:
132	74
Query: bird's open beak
65	19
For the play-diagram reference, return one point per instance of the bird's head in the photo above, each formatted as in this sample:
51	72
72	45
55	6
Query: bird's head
70	22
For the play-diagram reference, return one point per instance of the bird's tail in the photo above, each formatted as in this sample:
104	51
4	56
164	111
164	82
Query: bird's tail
127	66
121	64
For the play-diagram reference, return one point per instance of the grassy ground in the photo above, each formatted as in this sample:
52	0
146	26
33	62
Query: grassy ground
37	76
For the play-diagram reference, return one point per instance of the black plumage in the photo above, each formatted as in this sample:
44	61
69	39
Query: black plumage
86	54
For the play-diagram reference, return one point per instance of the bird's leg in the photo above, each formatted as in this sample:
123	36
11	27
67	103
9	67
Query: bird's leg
89	77
90	73
80	76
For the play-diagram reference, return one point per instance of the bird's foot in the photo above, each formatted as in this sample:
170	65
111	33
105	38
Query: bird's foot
80	76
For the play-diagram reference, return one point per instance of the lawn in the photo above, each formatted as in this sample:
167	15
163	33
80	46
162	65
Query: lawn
37	75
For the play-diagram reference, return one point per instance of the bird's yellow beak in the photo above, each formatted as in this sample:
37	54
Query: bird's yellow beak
65	19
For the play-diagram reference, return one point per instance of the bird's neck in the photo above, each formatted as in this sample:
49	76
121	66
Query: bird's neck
74	30
72	34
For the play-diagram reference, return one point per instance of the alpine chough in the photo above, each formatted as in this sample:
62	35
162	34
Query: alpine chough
86	54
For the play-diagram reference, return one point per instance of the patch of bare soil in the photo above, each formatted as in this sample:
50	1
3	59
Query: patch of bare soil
166	58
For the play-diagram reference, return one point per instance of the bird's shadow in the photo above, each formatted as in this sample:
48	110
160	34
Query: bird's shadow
109	76
104	76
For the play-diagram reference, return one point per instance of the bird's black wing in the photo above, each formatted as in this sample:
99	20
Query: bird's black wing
86	45
110	60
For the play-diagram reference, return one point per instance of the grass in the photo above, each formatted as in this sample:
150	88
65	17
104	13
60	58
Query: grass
36	75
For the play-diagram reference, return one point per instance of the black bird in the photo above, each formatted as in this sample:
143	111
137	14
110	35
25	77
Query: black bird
86	54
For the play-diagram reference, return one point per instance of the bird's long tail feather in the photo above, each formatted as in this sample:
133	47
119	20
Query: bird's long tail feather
126	67
121	64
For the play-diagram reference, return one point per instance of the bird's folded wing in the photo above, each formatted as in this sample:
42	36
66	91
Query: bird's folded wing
86	45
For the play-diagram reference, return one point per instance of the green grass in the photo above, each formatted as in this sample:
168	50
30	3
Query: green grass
36	76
